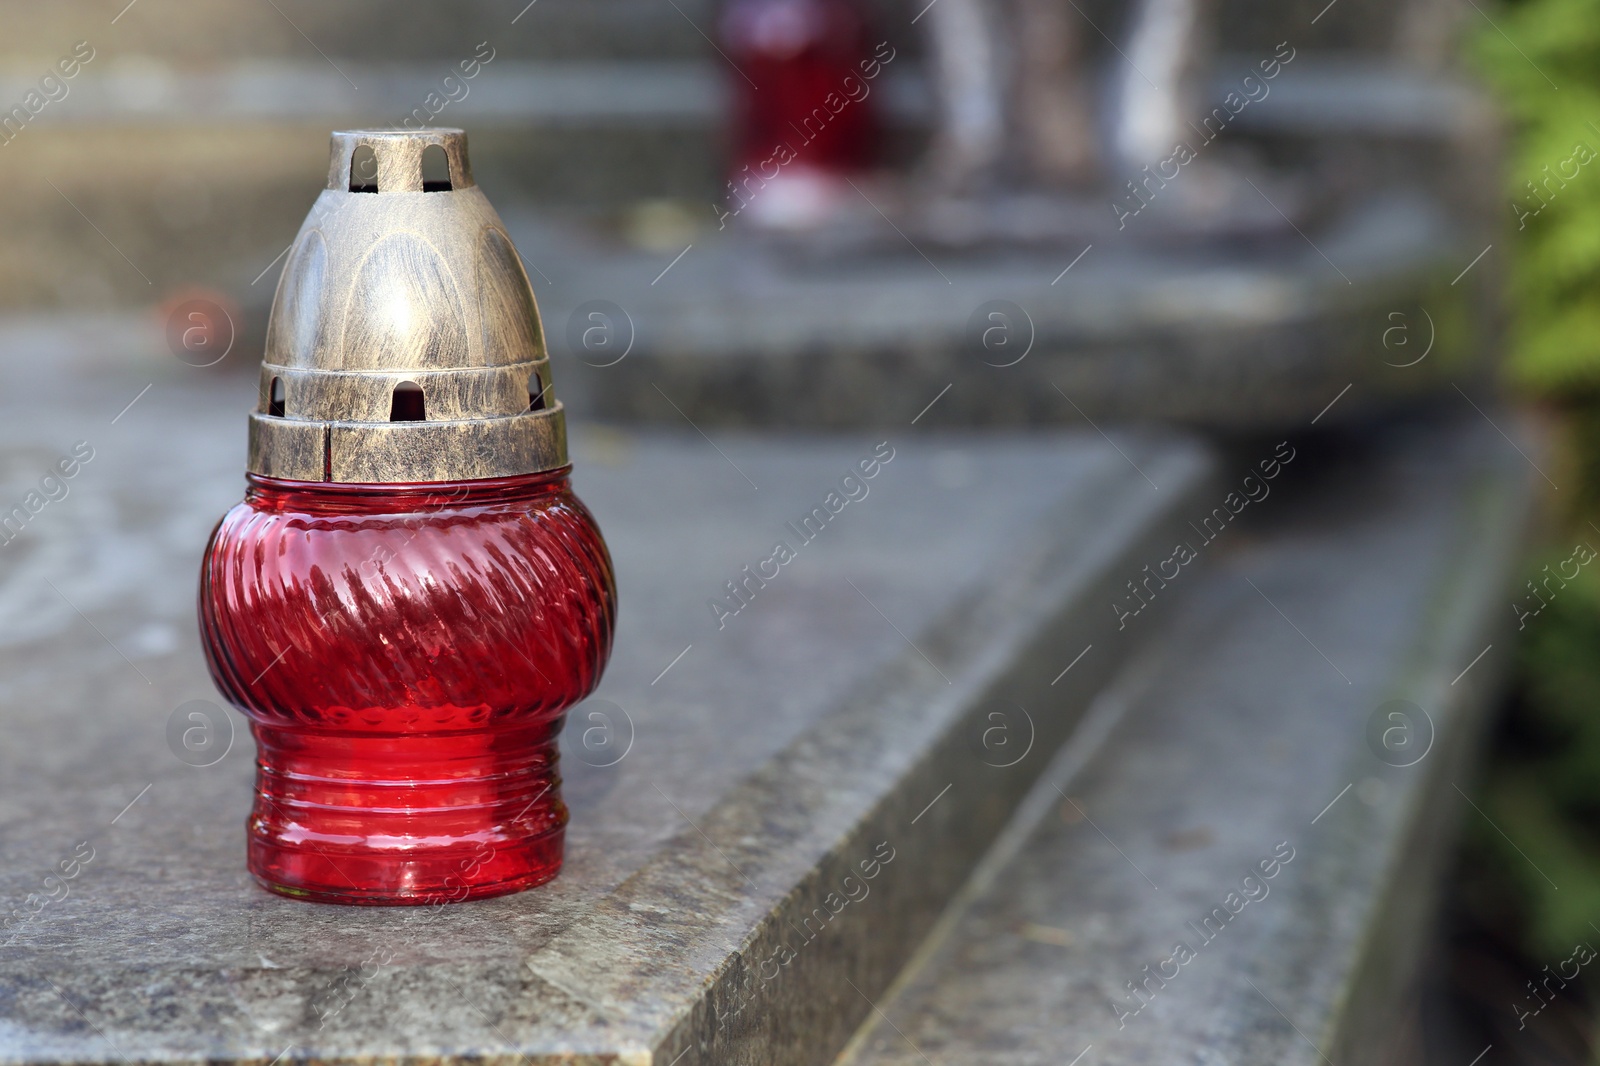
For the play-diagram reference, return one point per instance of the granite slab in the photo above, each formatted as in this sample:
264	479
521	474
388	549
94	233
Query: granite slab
730	784
1315	705
729	330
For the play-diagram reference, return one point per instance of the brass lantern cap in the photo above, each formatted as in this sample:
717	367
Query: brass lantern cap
404	343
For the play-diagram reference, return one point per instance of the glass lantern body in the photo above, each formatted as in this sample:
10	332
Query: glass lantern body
406	655
807	58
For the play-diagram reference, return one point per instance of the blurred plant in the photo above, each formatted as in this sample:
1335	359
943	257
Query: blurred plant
1555	196
1542	789
1544	786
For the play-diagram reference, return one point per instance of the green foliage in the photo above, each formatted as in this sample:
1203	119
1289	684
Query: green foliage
1542	790
1556	254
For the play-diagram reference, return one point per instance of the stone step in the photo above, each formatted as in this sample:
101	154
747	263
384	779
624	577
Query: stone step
195	138
211	33
1328	95
215	167
886	701
191	205
1123	918
212	164
1258	338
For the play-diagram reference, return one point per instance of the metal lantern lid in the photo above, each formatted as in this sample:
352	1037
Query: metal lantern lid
404	344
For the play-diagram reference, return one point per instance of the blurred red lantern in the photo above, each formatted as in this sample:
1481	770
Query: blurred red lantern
804	116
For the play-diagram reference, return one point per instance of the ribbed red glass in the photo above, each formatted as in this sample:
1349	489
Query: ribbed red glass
406	655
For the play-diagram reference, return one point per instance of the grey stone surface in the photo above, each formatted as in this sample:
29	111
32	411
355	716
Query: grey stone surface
738	333
768	759
215	33
1371	98
1247	724
194	140
585	85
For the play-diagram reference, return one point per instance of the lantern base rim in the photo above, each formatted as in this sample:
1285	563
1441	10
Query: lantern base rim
434	879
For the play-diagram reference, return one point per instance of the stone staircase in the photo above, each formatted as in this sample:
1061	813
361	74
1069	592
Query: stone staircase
188	148
978	685
940	789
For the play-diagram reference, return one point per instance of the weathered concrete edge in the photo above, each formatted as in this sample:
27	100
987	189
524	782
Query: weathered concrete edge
689	984
1139	670
942	813
1358	992
1471	611
1262	375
